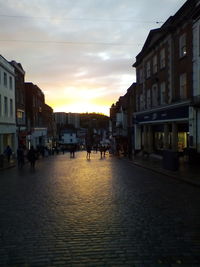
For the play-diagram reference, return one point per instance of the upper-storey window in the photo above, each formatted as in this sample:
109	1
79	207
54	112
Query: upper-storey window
155	96
162	93
183	86
0	107
199	40
162	58
155	64
11	108
141	75
148	69
5	81
182	45
5	106
10	83
148	98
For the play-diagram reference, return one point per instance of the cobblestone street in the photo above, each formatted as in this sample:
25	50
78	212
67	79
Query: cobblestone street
98	212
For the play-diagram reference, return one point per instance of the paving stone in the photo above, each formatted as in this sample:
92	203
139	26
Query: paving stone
98	213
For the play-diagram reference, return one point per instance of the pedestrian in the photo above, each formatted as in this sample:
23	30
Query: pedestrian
72	150
101	151
88	149
20	157
32	156
8	153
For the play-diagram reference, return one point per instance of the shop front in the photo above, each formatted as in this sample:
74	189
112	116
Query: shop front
162	129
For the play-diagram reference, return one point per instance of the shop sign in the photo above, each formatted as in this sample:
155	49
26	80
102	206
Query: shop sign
170	114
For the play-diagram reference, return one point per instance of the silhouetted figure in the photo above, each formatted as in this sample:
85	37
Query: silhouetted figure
32	156
72	150
88	149
101	149
63	149
8	153
20	157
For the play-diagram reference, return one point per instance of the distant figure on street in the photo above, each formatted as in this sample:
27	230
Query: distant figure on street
32	156
101	149
8	153
20	157
88	149
72	150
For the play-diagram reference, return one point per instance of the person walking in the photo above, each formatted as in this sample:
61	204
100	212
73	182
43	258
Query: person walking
8	153
32	156
20	157
88	149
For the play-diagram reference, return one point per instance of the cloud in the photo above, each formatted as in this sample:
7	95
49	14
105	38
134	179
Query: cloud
75	50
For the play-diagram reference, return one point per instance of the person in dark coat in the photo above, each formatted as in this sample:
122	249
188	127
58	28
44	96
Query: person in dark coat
20	157
32	156
8	153
88	149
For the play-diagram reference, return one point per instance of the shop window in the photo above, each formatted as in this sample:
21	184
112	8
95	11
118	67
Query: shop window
159	140
182	141
182	46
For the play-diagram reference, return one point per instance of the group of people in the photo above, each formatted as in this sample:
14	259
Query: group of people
33	154
101	148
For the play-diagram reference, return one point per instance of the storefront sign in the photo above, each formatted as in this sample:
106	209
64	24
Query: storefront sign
170	114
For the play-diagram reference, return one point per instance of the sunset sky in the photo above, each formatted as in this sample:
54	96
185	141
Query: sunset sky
79	52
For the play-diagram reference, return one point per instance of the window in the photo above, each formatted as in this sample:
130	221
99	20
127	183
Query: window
10	83
182	45
162	93
141	75
11	108
155	64
5	106
0	106
148	98
141	102
183	86
154	96
199	40
162	58
5	79
148	69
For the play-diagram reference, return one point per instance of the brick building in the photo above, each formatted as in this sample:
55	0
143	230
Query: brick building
165	85
35	101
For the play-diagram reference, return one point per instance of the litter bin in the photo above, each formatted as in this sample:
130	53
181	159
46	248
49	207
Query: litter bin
170	160
1	160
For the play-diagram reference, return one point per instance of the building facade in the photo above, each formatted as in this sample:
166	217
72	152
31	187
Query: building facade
195	107
165	86
20	103
7	106
37	132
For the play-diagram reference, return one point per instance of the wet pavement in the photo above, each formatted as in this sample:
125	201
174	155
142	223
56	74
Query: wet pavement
98	212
